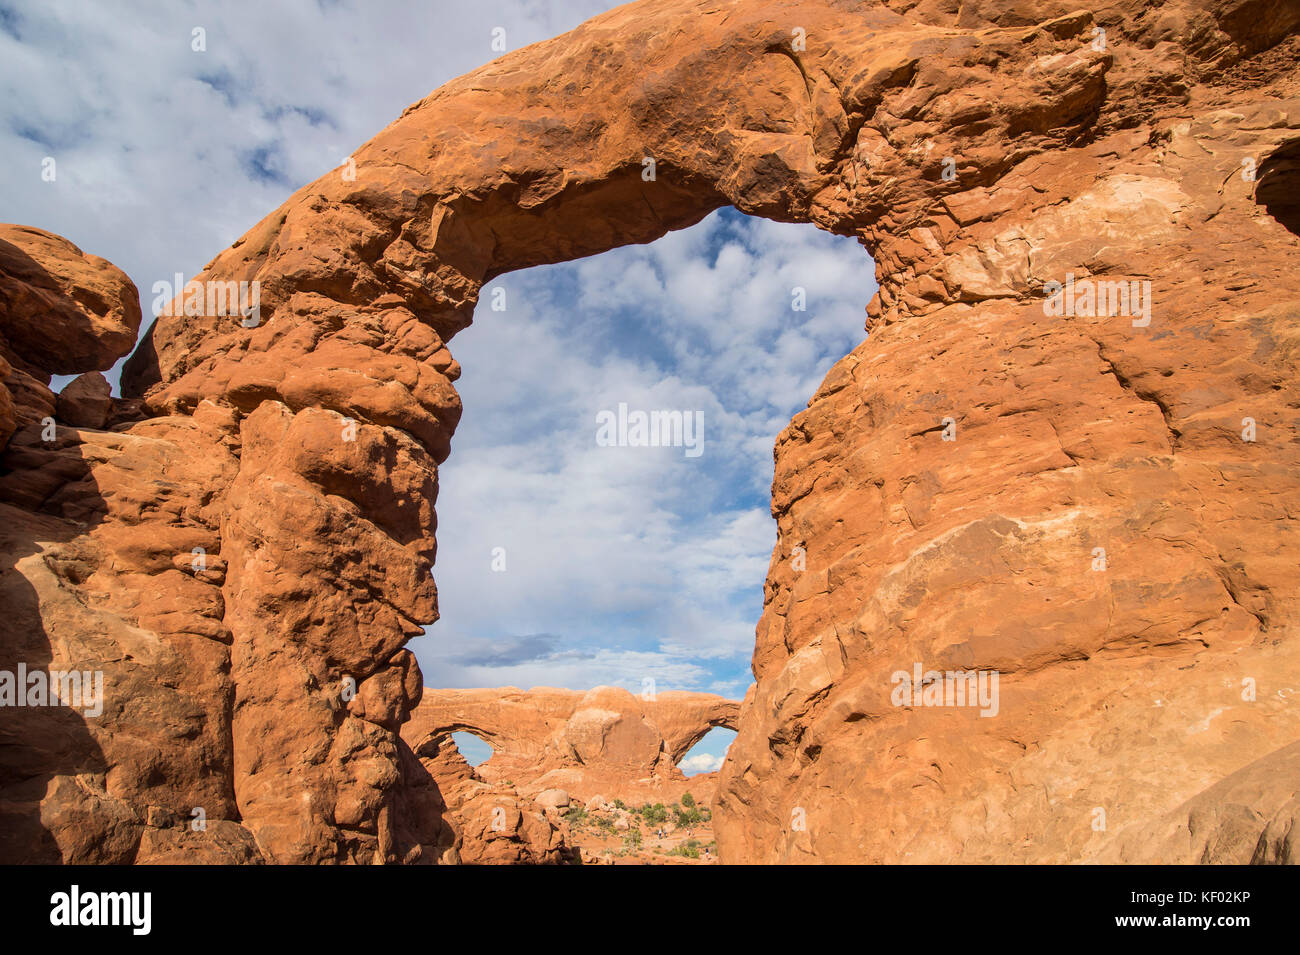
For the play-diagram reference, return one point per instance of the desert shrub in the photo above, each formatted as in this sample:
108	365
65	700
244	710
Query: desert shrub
576	816
654	815
687	817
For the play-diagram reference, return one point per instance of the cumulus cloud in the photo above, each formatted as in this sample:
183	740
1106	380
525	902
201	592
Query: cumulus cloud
164	154
646	563
621	565
701	763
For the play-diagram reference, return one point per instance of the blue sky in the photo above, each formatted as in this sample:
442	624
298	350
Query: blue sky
628	564
622	564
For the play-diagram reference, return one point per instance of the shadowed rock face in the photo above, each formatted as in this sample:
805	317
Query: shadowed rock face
97	575
1097	531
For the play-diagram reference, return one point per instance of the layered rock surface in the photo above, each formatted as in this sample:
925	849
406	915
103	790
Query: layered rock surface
1109	526
553	748
244	546
489	822
601	742
97	536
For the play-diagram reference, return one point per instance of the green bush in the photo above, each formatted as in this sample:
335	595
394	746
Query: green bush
654	815
687	817
688	800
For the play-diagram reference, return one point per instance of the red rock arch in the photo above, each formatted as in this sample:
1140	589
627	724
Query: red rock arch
607	730
979	155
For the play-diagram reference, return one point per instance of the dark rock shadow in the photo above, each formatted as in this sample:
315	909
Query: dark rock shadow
50	761
1277	187
47	745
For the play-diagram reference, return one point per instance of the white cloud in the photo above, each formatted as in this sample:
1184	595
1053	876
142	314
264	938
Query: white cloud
640	562
166	155
700	763
643	562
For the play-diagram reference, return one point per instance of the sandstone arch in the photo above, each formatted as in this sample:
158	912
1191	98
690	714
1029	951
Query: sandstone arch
609	734
979	155
681	744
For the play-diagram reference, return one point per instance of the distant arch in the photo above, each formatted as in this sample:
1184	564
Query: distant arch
708	753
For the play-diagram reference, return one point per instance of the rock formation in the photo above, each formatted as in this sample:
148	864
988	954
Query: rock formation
489	823
1097	505
97	536
1110	526
604	741
552	748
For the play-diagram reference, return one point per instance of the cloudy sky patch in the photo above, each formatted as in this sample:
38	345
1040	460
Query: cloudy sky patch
643	562
622	564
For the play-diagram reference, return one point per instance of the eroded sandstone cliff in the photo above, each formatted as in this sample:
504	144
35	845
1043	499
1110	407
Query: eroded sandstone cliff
552	748
244	546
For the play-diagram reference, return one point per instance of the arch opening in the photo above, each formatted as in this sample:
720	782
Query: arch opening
576	550
475	750
707	755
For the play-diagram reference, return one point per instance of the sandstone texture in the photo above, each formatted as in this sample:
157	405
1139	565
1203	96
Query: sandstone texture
604	742
1099	508
486	822
86	402
61	312
553	750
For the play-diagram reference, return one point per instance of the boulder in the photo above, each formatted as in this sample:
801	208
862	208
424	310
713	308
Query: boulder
552	799
86	401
